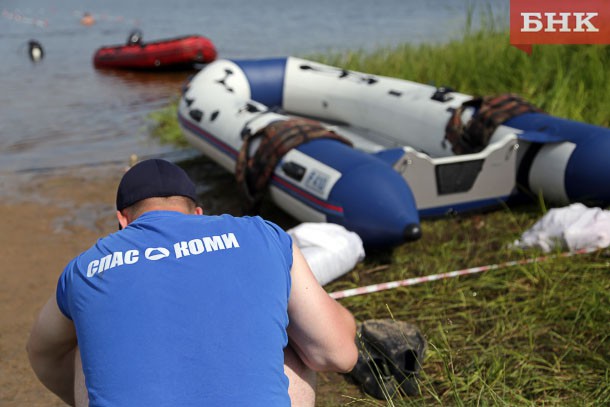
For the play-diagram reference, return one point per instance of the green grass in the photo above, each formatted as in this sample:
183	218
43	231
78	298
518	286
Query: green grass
520	336
164	125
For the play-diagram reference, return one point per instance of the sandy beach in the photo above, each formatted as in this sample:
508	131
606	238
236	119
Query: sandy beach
47	219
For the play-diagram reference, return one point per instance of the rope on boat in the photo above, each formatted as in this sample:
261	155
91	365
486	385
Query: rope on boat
441	276
276	139
491	112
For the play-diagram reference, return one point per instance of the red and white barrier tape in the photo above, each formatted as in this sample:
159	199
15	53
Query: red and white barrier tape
417	280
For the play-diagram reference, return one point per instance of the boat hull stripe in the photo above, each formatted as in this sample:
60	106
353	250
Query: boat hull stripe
291	189
314	202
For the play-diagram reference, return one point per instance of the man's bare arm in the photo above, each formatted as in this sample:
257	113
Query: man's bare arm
51	347
321	330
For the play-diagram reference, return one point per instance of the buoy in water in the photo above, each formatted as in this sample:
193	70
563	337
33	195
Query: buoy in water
35	51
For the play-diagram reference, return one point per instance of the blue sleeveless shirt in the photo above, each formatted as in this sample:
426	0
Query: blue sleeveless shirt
183	310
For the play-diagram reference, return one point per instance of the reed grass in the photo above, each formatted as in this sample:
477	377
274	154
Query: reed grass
528	335
164	125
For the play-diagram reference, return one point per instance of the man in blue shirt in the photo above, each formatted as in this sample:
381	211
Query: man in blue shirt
179	309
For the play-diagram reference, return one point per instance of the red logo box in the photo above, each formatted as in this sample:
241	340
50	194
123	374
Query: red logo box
559	22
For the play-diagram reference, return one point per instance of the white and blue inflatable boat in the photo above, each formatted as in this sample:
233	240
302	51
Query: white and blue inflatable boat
400	167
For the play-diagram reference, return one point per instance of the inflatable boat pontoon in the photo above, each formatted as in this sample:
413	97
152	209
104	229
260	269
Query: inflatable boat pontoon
167	54
400	165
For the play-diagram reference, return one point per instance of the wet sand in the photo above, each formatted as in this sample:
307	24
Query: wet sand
46	220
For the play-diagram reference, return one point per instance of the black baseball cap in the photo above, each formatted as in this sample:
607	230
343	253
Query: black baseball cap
153	178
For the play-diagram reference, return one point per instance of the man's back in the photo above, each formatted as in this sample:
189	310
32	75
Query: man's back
168	310
181	310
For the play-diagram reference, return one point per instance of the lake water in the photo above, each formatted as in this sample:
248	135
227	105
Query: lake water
62	112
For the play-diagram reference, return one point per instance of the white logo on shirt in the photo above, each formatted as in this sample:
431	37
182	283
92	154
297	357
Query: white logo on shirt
156	253
206	244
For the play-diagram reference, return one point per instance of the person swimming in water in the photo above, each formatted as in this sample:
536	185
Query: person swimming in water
87	19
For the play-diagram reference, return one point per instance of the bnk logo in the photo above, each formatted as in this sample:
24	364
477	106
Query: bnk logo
559	22
532	22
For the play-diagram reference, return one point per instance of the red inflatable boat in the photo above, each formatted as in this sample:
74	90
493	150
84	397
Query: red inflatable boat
174	53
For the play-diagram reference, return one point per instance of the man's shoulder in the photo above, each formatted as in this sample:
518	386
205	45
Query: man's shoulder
265	223
255	222
237	219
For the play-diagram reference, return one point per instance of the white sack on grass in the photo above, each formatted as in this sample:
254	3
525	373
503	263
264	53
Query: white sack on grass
330	249
572	227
